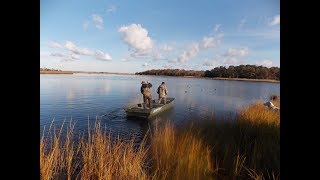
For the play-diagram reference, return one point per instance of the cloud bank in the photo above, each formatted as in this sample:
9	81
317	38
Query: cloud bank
75	52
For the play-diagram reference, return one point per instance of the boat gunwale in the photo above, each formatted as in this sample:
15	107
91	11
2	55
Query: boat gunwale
147	112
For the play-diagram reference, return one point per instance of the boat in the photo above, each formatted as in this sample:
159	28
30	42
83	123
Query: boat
140	112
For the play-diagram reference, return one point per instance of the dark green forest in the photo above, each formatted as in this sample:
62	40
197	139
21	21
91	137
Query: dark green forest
172	72
241	71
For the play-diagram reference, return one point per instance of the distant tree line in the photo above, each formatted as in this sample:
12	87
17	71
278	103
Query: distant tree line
47	69
241	71
172	72
245	71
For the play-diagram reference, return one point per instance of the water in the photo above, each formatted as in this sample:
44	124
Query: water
84	98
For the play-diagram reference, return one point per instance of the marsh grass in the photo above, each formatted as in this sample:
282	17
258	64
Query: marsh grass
179	156
94	157
257	113
246	148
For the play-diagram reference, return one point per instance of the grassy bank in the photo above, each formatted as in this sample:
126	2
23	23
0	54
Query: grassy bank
248	148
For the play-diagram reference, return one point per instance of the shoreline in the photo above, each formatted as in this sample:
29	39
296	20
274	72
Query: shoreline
245	79
80	72
216	78
219	78
56	72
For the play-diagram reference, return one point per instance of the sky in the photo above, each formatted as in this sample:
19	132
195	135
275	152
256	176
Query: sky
134	36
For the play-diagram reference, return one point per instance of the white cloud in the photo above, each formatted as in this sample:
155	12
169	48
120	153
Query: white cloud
231	60
275	20
148	54
191	53
75	56
136	37
237	52
231	57
57	54
156	55
77	50
145	65
209	62
54	44
44	54
85	25
112	9
140	54
166	47
222	62
71	57
98	21
266	63
102	56
205	43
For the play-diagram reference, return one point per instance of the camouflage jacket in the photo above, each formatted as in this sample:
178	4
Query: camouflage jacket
162	90
145	89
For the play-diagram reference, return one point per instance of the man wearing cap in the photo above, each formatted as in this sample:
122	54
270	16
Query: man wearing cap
146	92
162	91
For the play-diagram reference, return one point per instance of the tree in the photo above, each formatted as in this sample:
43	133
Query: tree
241	71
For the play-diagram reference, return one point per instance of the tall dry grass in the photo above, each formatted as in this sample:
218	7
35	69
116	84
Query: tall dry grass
179	156
257	113
97	156
94	157
246	149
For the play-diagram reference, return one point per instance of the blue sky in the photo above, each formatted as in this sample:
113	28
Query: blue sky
133	36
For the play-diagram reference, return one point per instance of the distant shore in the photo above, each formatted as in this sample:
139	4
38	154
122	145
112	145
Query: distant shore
83	72
56	72
245	79
237	79
220	78
216	78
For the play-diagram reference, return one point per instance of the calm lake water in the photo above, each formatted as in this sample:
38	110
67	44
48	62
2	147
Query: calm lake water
84	98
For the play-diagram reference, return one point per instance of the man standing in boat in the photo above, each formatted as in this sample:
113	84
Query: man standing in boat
146	92
162	91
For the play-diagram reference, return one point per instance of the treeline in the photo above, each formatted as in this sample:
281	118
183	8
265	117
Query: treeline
47	69
241	71
245	71
172	72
